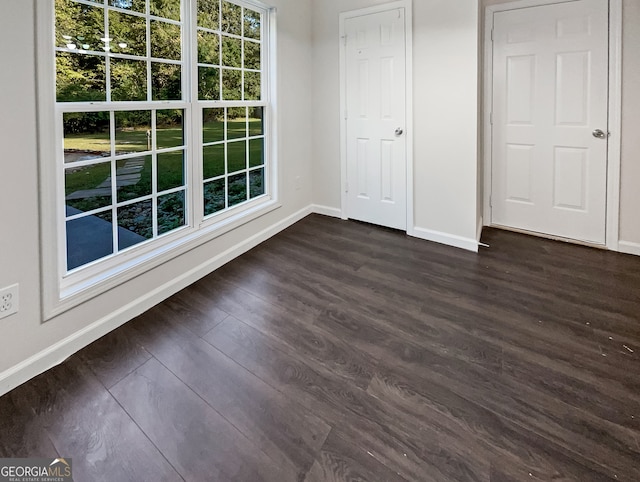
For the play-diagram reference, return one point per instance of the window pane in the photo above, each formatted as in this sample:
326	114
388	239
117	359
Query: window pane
135	5
89	239
166	80
252	85
231	18
213	161
208	48
133	178
169	128
231	84
251	55
128	80
214	194
165	40
133	131
255	121
231	51
236	156
89	187
170	212
251	24
256	152
79	26
80	78
237	189
236	123
86	135
135	224
127	34
165	8
212	125
208	83
256	183
208	12
170	170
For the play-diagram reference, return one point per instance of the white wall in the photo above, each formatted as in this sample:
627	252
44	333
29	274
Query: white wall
630	168
445	66
23	335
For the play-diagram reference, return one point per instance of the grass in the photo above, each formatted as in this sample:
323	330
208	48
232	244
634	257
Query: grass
87	177
135	139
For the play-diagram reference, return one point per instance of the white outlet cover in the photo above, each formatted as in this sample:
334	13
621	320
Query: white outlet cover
9	301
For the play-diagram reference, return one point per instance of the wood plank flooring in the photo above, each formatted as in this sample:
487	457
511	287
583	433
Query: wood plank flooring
342	351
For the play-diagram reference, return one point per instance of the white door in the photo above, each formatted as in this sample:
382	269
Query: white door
550	87
375	97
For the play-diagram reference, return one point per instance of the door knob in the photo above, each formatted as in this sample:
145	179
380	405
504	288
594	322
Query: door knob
600	134
399	131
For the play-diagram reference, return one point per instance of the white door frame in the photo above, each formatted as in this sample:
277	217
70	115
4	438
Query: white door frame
614	110
407	5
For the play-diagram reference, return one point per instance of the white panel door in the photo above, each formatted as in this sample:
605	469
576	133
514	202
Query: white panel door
375	94
550	81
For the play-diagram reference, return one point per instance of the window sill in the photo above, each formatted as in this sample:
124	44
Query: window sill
149	257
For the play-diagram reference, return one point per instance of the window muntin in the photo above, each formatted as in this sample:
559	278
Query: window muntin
128	152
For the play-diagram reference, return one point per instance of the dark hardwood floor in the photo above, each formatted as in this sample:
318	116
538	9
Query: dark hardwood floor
343	351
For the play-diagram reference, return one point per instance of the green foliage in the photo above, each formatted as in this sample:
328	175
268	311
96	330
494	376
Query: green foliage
231	21
79	24
81	78
165	40
86	122
165	8
166	83
170	212
208	47
128	80
137	218
231	52
169	117
208	14
128	34
214	197
208	83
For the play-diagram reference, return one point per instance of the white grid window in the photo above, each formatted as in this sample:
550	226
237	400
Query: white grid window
133	80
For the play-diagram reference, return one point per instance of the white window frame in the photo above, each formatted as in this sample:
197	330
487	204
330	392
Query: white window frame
61	292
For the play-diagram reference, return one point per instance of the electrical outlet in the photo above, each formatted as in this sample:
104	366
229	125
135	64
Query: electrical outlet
8	301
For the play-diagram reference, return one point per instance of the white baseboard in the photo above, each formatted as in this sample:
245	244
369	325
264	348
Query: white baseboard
57	353
445	238
629	248
326	211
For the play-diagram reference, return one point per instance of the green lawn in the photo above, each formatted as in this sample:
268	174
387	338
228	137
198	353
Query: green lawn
135	139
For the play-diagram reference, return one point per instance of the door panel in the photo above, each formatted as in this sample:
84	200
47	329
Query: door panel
375	93
550	85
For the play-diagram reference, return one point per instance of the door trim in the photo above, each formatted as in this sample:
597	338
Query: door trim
614	111
408	32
